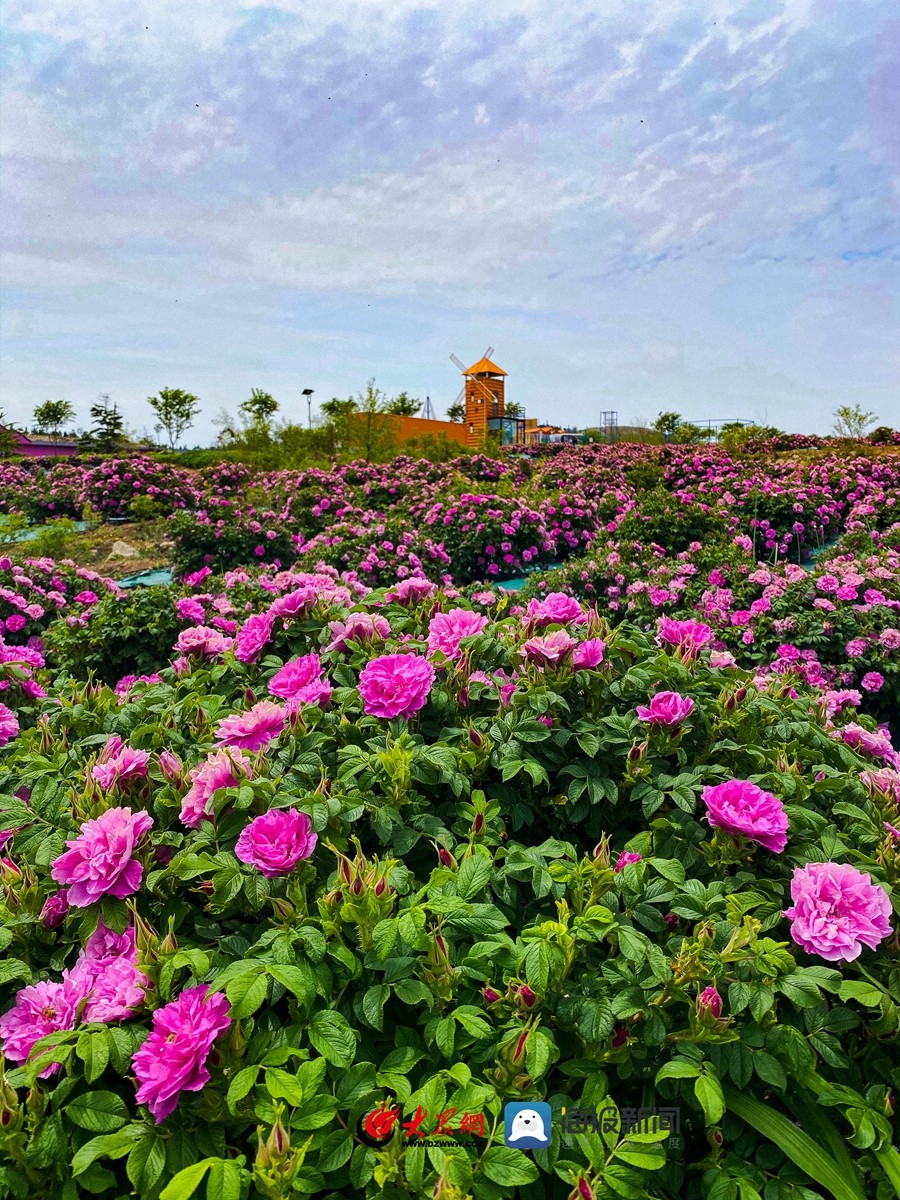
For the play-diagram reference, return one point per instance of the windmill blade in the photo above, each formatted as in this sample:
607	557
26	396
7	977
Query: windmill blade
488	352
456	362
462	395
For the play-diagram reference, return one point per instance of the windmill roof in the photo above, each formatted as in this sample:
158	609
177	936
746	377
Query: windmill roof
484	366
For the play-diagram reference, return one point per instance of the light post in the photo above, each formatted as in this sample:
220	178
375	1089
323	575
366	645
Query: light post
307	392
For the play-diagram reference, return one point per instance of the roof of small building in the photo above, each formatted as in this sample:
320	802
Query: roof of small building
484	366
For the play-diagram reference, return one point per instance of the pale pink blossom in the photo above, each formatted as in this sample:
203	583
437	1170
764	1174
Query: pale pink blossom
253	729
100	861
40	1009
667	709
446	630
836	911
223	769
741	808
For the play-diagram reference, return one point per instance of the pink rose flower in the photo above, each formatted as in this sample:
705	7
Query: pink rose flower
743	809
875	745
107	974
275	842
173	1058
625	859
300	681
55	908
395	685
202	639
253	729
836	911
223	769
100	861
686	636
589	654
873	681
9	725
189	609
293	604
411	591
359	627
446	630
253	636
40	1009
119	764
549	650
667	709
556	608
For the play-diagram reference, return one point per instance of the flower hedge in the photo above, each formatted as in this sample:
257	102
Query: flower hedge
370	862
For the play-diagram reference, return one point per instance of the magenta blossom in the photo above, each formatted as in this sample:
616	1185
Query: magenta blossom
667	709
556	608
589	654
743	809
625	859
446	630
411	591
223	769
253	729
55	908
686	636
9	725
107	974
253	636
836	911
395	685
118	764
865	741
300	681
40	1009
275	842
359	627
173	1058
100	861
872	681
550	650
202	639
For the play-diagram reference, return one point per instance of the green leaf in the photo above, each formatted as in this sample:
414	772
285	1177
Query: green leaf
333	1038
98	1112
708	1091
93	1050
678	1068
281	1085
187	1181
805	1153
508	1167
246	994
373	1003
384	937
299	980
864	993
107	1145
242	1083
146	1162
537	963
649	1157
474	874
224	1181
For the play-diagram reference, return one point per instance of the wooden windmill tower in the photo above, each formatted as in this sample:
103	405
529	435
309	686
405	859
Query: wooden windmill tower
483	391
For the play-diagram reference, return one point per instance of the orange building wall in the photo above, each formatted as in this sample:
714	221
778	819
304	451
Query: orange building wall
480	406
410	428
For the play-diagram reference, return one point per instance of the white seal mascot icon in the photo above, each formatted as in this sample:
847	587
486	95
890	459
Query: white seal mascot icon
528	1124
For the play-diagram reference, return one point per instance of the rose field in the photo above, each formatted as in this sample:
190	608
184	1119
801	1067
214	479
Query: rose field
561	778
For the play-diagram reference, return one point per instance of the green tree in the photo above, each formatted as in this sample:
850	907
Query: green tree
851	421
175	411
373	435
52	415
7	438
335	409
514	409
456	412
260	408
666	424
107	434
403	405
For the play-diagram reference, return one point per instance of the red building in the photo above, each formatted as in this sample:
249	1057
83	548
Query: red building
39	445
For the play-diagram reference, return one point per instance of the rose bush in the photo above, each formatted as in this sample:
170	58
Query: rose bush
486	860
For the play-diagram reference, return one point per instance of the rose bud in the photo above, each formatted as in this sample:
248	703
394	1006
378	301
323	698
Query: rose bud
476	739
526	996
356	887
479	822
445	858
55	908
379	887
671	919
709	1001
490	996
619	1037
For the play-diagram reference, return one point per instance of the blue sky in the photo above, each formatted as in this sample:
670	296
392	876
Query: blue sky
642	206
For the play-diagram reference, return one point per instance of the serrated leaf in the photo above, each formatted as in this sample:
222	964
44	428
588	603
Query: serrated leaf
246	994
474	874
332	1037
242	1083
708	1091
508	1167
98	1112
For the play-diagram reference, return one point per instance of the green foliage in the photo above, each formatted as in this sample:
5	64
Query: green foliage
107	433
175	410
53	415
851	421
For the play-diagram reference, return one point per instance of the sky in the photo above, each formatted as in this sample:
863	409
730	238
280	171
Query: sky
642	205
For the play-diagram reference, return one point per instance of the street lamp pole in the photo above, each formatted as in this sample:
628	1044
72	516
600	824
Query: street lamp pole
308	392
